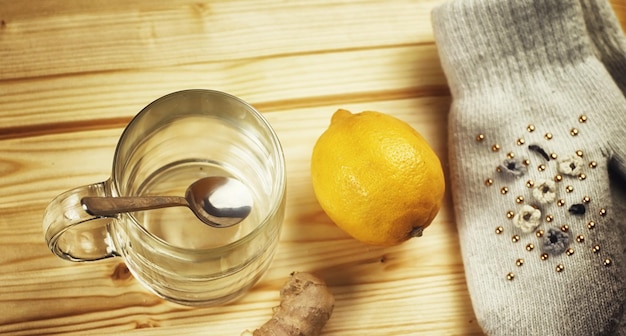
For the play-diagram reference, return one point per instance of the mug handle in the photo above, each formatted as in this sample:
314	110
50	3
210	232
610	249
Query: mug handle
72	233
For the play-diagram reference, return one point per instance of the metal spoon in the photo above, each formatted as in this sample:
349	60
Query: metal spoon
217	201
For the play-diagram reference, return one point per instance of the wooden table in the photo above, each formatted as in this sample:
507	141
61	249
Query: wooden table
73	73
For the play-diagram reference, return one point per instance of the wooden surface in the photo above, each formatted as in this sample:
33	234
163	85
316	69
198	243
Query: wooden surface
73	73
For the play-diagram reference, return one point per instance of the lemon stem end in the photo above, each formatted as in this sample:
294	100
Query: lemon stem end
416	232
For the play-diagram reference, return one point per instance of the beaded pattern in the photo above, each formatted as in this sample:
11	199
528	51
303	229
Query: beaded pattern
544	215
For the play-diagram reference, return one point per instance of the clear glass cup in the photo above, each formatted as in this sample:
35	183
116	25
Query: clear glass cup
171	143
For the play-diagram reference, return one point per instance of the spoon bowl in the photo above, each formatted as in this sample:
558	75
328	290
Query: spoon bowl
218	201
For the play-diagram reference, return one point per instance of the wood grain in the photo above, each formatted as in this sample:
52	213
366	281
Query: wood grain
78	102
73	73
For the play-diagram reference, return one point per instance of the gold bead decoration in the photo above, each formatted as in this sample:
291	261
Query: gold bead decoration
582	177
510	155
480	137
560	268
488	182
519	262
541	167
510	276
520	141
569	189
495	148
602	212
530	184
548	136
569	251
607	262
558	178
573	132
580	238
530	247
504	190
515	238
579	153
595	249
544	256
499	230
591	225
510	214
582	118
549	218
564	227
586	199
560	202
519	199
553	156
593	164
530	128
539	233
526	162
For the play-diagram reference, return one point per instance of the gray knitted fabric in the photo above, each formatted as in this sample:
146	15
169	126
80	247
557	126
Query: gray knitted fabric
535	123
607	38
609	44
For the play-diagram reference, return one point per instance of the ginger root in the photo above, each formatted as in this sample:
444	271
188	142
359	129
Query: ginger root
305	307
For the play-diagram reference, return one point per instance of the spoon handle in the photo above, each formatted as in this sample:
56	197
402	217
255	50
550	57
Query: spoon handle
110	206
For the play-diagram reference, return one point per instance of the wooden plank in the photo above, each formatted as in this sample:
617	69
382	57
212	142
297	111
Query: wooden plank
619	6
74	37
74	102
382	290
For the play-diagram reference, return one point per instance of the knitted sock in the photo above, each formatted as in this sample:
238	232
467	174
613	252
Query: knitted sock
607	38
535	122
609	45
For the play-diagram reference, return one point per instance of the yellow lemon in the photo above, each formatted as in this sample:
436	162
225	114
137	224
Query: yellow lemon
376	177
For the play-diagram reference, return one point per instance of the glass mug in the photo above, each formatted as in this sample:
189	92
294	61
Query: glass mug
174	141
